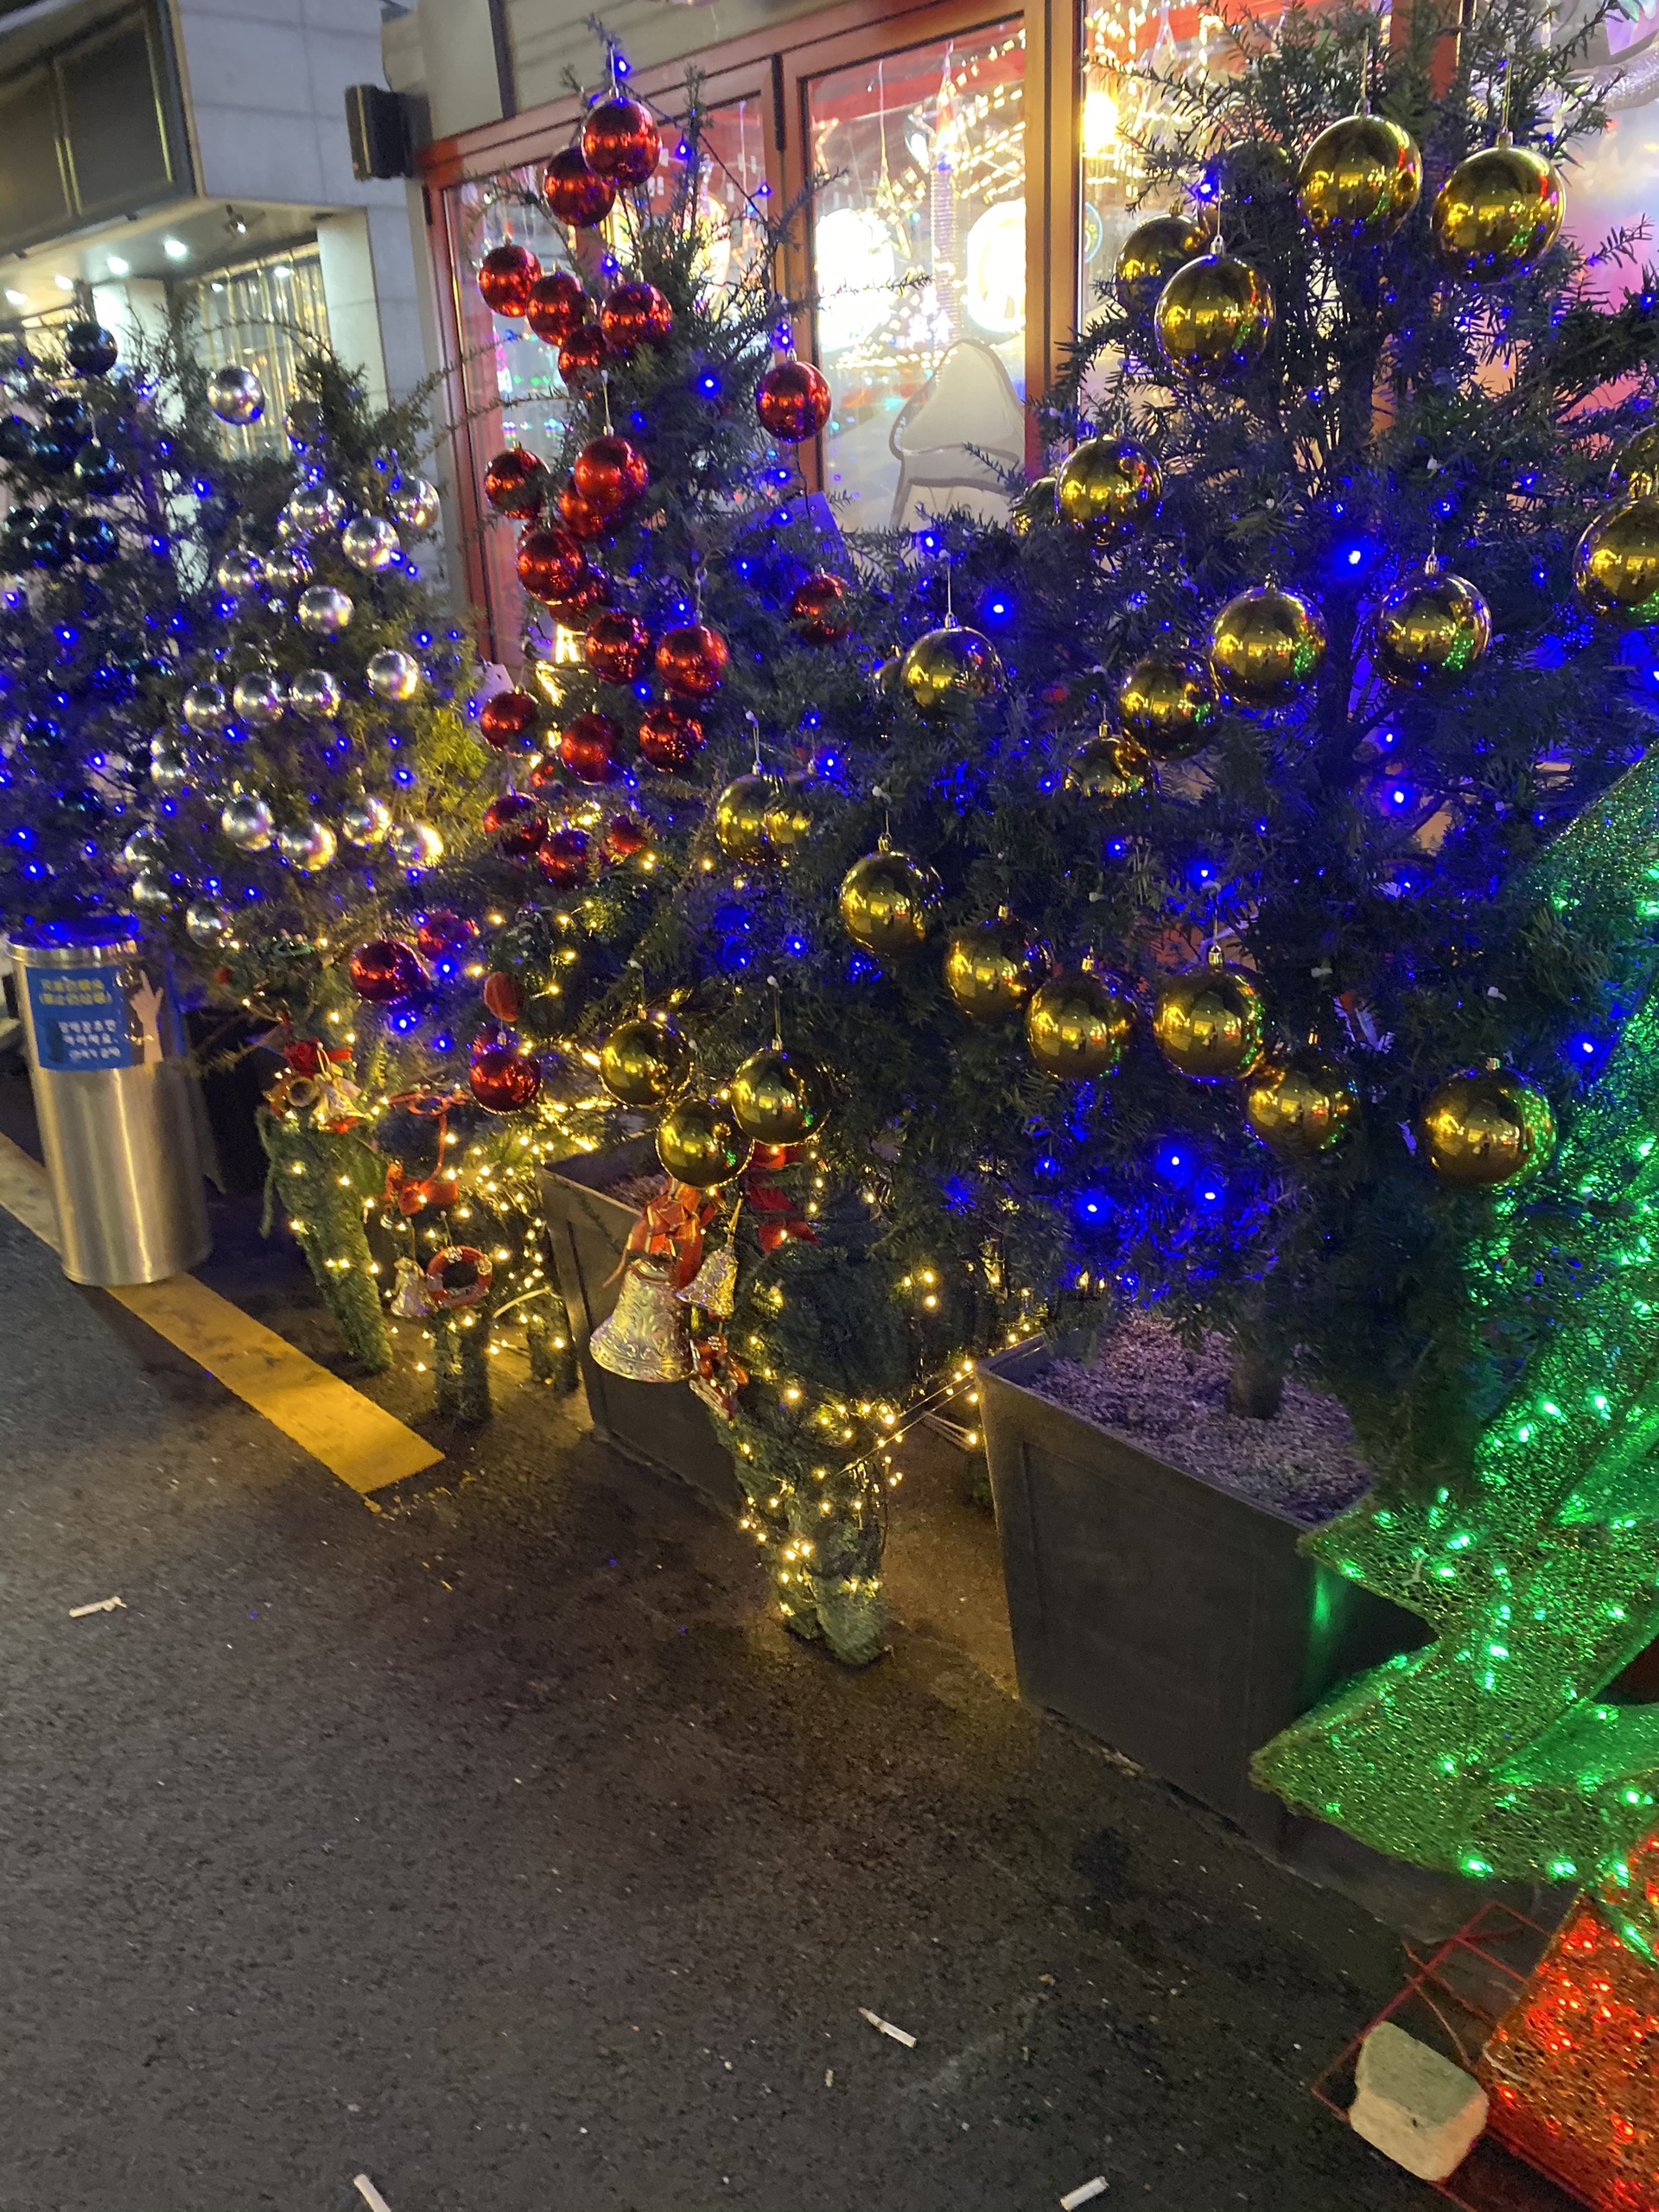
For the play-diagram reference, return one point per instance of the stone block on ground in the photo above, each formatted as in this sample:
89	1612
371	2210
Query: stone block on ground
1416	2106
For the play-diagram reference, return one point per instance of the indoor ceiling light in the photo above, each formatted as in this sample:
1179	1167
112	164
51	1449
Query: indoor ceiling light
16	299
175	249
64	283
117	267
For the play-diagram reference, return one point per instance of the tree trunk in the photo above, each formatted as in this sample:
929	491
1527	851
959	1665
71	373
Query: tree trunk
1256	1381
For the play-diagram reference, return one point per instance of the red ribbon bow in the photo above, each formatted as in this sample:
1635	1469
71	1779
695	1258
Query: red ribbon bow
670	1226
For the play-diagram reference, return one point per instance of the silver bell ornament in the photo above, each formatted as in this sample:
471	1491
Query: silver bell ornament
415	846
257	698
150	894
307	845
393	676
143	849
364	821
246	822
414	504
236	396
238	572
315	694
169	765
288	567
206	922
315	507
646	1337
205	709
369	542
324	610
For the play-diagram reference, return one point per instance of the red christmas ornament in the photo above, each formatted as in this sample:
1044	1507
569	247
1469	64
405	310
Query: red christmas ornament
574	193
305	1055
383	970
585	518
506	720
502	1079
501	992
617	647
583	356
610	472
588	749
545	780
624	838
691	660
621	142
434	1190
636	315
670	740
563	859
516	483
558	306
505	276
792	401
515	822
445	935
819	609
551	564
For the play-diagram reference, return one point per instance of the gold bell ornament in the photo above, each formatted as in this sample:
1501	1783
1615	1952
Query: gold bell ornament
887	902
1150	256
1616	567
1358	181
1208	1024
713	1289
698	1141
1168	704
1109	486
1485	1127
1077	1025
992	968
1301	1105
1215	316
1432	625
647	1337
1635	472
646	1062
1107	768
951	666
1496	213
1267	645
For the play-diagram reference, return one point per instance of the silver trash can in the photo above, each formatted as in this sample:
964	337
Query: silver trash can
112	1096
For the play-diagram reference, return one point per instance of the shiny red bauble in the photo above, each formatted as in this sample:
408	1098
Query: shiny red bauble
505	277
515	822
501	1078
792	401
610	470
588	749
624	838
818	609
501	993
558	306
551	564
636	315
507	718
545	780
586	518
621	142
691	660
592	591
617	646
563	859
384	972
516	484
445	935
583	357
574	193
669	740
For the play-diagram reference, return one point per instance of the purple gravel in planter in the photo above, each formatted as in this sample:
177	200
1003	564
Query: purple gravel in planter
1146	1385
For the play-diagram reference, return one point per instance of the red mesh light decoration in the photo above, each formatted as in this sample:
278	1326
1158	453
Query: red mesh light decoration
792	401
505	276
574	193
563	859
558	306
588	749
621	142
583	357
636	315
500	1077
506	719
551	564
515	484
669	740
818	609
517	823
616	647
691	660
610	470
383	970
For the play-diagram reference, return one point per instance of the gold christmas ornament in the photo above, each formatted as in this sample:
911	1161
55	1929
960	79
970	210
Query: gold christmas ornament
1168	704
1301	1106
714	1287
646	1338
887	902
1076	1027
787	822
1108	486
1430	625
1358	181
1214	317
1616	568
1149	257
1633	474
777	1097
992	968
1107	768
1496	212
1486	1127
646	1062
699	1142
1208	1024
740	817
1267	645
949	666
1035	505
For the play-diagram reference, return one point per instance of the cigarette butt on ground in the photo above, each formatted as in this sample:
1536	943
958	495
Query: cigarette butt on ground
1085	2194
102	1605
886	2028
371	2195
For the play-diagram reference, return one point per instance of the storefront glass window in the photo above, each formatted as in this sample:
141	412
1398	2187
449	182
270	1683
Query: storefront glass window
263	315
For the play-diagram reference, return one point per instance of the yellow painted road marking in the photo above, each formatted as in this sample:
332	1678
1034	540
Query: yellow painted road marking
354	1438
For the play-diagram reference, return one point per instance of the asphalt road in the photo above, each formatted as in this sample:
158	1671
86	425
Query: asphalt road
495	1846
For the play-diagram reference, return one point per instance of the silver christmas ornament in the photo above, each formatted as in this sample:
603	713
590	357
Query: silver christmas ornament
143	849
369	542
150	894
289	531
324	610
169	765
236	394
316	507
394	676
205	709
288	567
257	698
206	922
414	503
415	846
238	572
246	822
315	694
364	821
307	845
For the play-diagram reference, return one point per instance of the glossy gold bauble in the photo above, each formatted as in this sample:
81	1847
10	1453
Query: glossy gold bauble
1035	505
1266	646
1208	1024
1358	181
1107	768
1635	472
886	903
787	823
778	1098
1496	212
1486	1127
740	816
1616	568
1109	486
1214	317
950	667
646	1062
1077	1026
1432	625
1168	704
1301	1106
699	1142
1149	257
992	968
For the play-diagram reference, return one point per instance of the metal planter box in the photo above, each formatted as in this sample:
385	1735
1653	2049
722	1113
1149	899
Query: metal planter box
661	1423
1172	1619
